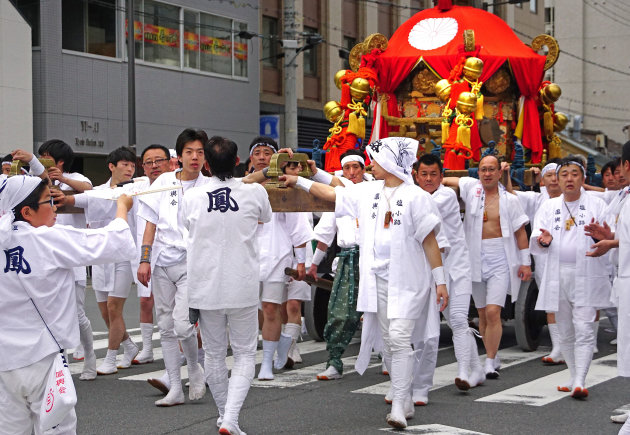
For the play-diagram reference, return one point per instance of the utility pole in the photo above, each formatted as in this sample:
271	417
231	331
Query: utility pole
290	46
131	73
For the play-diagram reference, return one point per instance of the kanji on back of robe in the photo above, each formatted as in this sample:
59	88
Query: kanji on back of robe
16	261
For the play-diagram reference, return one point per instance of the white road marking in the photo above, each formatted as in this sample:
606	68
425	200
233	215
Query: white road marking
445	375
435	429
305	347
543	391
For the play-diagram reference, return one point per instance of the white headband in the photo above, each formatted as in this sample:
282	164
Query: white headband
395	155
547	168
571	162
352	158
6	163
13	191
262	144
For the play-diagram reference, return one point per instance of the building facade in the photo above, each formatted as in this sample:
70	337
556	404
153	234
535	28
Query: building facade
195	67
594	68
16	84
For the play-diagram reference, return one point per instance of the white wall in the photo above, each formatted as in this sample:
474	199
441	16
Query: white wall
16	83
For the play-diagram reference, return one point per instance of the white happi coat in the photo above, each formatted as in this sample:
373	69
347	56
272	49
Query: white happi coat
346	227
457	260
164	210
611	216
76	220
276	240
39	263
592	283
98	214
531	201
414	217
512	217
222	218
622	291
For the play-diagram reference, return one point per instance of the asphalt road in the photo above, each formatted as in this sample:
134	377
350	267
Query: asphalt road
522	401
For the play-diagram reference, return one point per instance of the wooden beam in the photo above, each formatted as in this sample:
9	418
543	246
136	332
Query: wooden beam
285	199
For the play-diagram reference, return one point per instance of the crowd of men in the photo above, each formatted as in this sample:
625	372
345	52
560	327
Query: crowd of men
209	256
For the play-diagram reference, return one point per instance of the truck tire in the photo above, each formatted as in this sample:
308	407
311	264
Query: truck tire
316	312
528	323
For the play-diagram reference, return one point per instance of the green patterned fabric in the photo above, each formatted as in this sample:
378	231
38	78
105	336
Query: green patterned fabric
343	318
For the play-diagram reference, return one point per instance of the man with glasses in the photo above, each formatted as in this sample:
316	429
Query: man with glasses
163	263
494	225
155	162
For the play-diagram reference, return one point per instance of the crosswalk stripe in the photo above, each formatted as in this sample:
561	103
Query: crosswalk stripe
543	391
435	429
622	409
306	375
446	374
305	348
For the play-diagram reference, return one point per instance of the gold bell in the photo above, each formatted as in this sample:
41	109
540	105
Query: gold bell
359	88
443	90
338	75
550	93
473	68
560	121
466	103
332	111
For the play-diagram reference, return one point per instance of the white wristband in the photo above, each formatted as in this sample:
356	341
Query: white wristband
300	254
318	256
36	166
304	183
525	258
438	275
322	176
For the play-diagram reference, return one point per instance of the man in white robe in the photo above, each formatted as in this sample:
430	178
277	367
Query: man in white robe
111	282
222	218
163	263
61	177
343	318
531	202
38	276
277	240
457	266
574	285
399	253
155	161
494	225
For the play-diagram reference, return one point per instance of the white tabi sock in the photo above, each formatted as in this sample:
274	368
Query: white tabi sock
269	349
555	342
237	392
147	337
283	350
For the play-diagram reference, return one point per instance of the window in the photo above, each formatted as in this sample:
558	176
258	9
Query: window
89	27
240	50
533	6
270	46
161	33
310	55
191	39
216	44
348	44
29	9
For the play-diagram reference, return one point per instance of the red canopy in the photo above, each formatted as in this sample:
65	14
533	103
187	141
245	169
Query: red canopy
437	37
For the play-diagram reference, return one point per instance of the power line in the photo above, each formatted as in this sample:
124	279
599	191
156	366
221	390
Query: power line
609	68
601	106
612	17
607	118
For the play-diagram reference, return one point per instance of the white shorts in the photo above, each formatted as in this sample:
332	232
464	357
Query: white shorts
274	292
122	283
495	275
298	290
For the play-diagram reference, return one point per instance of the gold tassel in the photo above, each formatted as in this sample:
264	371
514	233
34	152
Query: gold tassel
479	112
446	126
548	124
361	128
353	125
463	135
445	129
